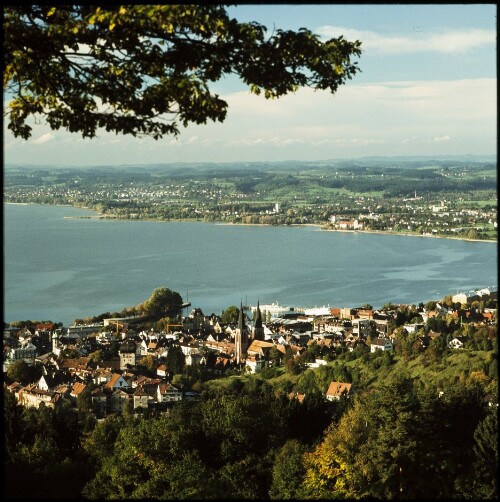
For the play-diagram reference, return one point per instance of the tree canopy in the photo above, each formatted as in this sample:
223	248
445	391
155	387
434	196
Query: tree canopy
163	301
143	69
230	315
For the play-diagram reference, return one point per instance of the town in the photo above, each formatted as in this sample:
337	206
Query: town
445	199
124	365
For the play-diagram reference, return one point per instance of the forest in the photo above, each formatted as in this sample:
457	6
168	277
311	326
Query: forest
420	425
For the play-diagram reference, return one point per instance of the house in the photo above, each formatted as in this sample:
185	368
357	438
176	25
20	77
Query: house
49	381
220	364
161	370
142	349
337	389
457	342
297	395
255	363
365	313
99	402
116	382
32	396
26	351
260	348
348	313
152	347
361	327
413	328
77	389
142	380
465	298
127	353
81	366
166	392
119	400
140	398
381	344
15	387
102	375
317	363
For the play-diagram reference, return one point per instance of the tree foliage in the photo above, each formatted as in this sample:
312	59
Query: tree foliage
43	445
288	472
24	373
402	442
143	69
486	457
163	301
230	315
175	360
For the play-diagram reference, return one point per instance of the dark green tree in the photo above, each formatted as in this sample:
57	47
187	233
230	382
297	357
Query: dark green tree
161	303
141	69
485	478
12	415
24	373
230	315
288	472
175	360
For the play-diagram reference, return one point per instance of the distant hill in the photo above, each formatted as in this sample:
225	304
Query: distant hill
374	161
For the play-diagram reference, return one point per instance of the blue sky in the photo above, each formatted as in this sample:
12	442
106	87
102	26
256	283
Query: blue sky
427	87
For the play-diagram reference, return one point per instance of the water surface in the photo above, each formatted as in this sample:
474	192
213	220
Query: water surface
59	268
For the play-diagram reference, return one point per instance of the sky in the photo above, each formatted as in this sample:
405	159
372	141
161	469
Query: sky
427	86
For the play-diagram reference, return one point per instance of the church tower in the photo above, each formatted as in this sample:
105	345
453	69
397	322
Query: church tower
258	329
241	338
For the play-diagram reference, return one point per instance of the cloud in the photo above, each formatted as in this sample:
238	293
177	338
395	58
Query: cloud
361	117
450	42
45	138
441	139
310	112
383	118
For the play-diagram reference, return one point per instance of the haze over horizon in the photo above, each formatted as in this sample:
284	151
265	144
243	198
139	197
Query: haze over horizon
427	87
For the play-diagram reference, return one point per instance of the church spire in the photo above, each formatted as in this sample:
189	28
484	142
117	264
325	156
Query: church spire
258	328
241	338
258	319
241	323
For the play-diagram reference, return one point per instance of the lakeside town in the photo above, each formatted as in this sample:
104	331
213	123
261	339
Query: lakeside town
443	199
125	118
119	364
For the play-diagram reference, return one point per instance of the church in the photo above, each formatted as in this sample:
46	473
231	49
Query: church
242	337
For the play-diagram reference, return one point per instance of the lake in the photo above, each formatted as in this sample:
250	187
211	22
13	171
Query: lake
60	267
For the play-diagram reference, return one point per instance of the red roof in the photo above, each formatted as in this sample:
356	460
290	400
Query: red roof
336	389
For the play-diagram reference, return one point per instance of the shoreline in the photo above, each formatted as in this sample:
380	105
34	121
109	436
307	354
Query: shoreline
321	227
379	232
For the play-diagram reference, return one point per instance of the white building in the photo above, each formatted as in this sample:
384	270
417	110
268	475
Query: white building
381	344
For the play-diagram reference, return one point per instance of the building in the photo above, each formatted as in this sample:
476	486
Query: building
241	338
255	364
32	396
27	352
166	392
127	354
337	389
258	328
381	344
140	399
465	298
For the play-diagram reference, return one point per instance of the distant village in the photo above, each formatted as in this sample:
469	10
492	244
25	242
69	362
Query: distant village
138	377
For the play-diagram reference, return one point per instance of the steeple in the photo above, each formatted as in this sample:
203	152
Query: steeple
258	329
241	338
241	323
